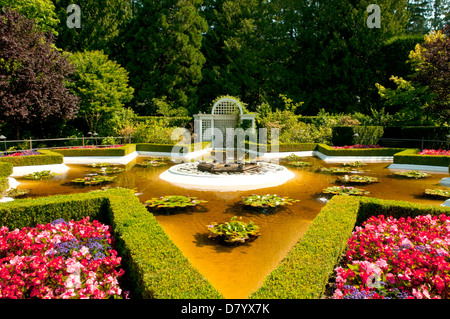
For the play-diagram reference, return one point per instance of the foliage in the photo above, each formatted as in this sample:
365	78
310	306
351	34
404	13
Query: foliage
354	164
161	49
39	175
234	232
153	131
406	98
412	174
33	77
102	86
60	260
441	193
43	12
94	180
355	179
339	170
411	156
173	202
268	202
431	64
101	23
345	190
153	162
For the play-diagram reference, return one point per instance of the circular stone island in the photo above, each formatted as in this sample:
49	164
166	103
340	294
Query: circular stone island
188	175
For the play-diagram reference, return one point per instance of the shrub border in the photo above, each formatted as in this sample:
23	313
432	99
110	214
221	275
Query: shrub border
411	156
47	157
306	269
156	266
330	151
117	151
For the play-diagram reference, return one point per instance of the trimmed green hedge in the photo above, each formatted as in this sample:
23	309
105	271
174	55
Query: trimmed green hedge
4	185
305	271
330	151
118	151
46	157
156	267
167	148
286	147
6	169
411	156
345	135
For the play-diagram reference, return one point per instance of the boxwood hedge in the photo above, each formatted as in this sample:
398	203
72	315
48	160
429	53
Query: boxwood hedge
305	271
45	157
156	267
411	156
330	151
6	169
102	151
167	148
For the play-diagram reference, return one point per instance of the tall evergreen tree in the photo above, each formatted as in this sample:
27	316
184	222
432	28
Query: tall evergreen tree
100	24
419	11
334	54
161	49
234	47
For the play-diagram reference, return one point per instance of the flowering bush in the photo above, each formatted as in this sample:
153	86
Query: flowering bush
356	146
22	153
397	258
59	260
435	152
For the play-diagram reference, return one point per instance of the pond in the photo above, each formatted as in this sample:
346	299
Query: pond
237	271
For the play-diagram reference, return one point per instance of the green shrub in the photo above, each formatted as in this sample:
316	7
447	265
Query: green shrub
167	148
4	185
157	268
345	135
6	169
46	157
411	156
118	151
330	151
284	147
306	269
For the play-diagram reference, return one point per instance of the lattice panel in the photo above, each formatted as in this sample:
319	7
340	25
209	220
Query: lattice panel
226	108
206	132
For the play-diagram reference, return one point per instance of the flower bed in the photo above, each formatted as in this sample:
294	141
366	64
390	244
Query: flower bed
356	146
234	231
21	153
434	152
59	260
89	147
413	157
397	258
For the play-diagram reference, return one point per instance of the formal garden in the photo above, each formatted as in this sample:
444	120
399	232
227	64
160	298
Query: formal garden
118	181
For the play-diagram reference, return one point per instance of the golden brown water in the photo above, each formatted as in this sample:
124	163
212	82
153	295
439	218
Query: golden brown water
237	271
